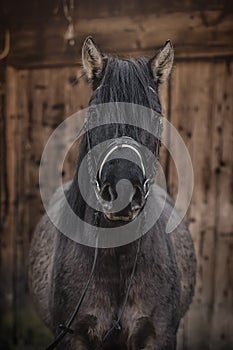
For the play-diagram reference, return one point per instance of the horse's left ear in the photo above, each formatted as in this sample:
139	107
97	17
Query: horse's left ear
161	63
92	58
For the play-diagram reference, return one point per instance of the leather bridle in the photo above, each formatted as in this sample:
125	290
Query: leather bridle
119	144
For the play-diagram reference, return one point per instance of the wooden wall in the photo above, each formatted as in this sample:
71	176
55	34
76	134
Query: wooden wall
202	110
199	28
40	90
200	106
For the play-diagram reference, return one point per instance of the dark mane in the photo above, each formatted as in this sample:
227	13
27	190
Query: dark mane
127	80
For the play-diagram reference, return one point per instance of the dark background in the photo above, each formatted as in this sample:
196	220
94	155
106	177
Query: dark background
39	88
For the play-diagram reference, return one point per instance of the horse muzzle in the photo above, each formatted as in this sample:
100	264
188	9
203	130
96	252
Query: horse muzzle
123	202
122	180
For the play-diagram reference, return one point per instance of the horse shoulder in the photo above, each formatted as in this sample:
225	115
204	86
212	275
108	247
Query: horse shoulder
41	258
185	257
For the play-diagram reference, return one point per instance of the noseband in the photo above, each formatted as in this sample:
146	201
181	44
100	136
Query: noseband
119	144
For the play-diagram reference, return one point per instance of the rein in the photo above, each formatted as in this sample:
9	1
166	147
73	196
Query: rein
66	328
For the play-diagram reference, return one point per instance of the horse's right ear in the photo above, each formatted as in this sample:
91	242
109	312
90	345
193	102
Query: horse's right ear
92	59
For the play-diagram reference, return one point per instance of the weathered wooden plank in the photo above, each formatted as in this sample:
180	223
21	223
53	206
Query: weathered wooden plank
42	44
191	104
46	111
76	94
3	181
19	253
197	102
35	10
203	209
8	259
3	185
221	335
181	119
53	95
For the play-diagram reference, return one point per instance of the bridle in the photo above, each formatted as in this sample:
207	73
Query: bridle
123	142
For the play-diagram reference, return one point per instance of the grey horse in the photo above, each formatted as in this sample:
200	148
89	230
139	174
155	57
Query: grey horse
149	281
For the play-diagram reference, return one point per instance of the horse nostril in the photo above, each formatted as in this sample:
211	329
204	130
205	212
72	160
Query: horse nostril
107	193
137	200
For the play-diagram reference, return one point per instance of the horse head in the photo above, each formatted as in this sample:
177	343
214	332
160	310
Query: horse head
122	179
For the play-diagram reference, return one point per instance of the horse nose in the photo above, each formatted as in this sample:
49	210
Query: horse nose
123	195
138	199
107	193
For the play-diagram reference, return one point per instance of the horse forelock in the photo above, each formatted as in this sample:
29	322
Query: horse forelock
127	80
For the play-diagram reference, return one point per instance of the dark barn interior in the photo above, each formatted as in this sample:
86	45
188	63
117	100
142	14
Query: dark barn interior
40	61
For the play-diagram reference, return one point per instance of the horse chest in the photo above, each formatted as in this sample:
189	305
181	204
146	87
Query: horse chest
105	293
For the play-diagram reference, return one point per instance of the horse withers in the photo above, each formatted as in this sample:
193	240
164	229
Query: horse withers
130	296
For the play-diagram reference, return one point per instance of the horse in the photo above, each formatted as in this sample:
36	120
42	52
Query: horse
131	296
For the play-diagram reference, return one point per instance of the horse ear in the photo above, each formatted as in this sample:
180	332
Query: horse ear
161	63
92	58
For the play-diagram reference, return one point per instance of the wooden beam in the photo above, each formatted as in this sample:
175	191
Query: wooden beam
17	13
44	44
